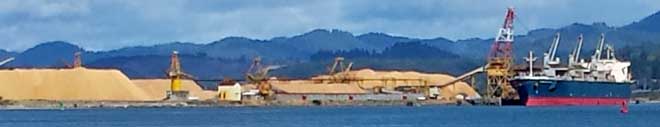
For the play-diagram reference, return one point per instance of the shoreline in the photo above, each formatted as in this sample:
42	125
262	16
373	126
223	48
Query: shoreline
61	105
52	104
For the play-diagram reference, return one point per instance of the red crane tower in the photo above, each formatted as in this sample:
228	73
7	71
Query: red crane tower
500	61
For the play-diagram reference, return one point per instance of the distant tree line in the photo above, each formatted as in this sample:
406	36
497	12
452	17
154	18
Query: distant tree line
645	60
408	50
410	56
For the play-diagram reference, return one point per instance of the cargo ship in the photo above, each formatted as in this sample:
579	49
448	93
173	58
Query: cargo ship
603	80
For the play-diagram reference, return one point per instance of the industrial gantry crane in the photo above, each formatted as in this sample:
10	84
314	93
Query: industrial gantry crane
176	75
500	61
339	70
257	74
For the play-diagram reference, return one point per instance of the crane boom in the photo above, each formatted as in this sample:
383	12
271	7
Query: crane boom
577	50
6	61
553	48
504	38
464	76
599	51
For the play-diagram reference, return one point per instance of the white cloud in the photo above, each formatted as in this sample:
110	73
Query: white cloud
104	25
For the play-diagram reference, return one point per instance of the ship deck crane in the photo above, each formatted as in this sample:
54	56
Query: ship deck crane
599	49
574	57
552	58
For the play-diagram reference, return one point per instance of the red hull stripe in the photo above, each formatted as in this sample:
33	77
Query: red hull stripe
548	101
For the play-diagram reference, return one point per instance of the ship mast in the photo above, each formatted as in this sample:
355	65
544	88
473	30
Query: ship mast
530	59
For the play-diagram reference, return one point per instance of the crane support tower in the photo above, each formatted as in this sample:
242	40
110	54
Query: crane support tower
500	61
77	62
176	74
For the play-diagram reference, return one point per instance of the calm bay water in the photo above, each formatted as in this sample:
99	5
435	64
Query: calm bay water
376	116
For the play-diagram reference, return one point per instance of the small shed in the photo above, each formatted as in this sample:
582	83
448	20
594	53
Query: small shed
229	92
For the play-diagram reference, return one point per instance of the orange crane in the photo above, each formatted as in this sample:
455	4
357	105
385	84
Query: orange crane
500	61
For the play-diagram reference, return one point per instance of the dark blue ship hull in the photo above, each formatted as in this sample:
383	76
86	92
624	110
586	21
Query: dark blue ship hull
539	92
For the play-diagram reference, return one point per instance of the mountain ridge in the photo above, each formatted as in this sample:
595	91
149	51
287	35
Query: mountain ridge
297	49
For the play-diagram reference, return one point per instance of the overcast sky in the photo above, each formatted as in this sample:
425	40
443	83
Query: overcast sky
111	24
